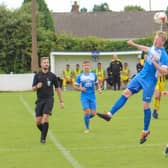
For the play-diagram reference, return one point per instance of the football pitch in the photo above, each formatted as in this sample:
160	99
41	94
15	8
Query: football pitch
113	144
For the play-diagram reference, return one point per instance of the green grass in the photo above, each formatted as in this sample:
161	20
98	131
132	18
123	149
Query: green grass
113	144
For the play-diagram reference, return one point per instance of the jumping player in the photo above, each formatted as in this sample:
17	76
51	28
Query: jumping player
156	61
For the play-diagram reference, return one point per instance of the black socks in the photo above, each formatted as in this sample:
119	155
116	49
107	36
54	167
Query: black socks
44	131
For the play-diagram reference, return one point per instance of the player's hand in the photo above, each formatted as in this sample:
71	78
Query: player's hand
164	93
82	89
61	105
39	85
130	42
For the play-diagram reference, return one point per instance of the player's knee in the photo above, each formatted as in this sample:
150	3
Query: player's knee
94	113
86	111
146	105
38	120
45	118
127	93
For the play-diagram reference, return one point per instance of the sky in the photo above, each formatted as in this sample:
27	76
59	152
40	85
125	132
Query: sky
114	5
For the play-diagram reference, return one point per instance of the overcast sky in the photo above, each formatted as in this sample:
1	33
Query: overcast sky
115	5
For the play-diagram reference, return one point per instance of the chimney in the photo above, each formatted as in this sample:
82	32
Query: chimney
75	8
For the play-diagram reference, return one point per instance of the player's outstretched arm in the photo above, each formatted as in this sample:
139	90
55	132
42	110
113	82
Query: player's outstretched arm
138	46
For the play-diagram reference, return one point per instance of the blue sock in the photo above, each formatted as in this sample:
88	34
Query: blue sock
86	120
119	103
147	118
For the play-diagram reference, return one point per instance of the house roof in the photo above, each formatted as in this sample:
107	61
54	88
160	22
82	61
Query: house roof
110	25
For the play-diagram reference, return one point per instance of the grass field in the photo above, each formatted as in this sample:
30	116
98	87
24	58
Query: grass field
113	144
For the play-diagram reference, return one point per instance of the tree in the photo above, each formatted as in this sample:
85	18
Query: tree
166	44
166	11
16	41
101	8
46	16
5	16
83	10
133	8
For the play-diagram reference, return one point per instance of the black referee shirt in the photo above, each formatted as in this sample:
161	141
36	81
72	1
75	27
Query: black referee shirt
49	81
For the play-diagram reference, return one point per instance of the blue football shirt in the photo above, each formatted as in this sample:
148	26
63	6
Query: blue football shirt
87	80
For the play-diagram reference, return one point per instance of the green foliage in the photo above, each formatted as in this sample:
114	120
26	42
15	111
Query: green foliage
45	40
166	46
133	8
70	43
101	8
46	16
167	16
83	10
16	40
4	17
67	42
166	11
45	28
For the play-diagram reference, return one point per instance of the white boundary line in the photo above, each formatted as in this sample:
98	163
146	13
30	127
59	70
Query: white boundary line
62	149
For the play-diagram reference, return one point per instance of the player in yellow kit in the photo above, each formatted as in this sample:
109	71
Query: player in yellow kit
160	86
76	72
100	72
67	76
125	75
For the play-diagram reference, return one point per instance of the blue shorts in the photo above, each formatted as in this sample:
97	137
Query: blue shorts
88	102
148	87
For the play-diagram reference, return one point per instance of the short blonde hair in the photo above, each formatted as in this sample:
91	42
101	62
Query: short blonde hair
163	35
43	58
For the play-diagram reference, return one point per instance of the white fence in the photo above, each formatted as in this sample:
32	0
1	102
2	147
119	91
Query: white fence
16	82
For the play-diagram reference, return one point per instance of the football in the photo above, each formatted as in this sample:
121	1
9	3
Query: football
160	17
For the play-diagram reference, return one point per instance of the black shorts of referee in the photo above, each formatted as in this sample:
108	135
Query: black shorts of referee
44	106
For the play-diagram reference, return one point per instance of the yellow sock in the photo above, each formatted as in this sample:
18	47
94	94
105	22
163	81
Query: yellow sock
157	104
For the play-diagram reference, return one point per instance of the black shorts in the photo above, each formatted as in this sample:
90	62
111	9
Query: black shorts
44	106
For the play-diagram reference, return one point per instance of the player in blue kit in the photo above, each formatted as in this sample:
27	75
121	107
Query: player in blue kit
85	82
156	61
